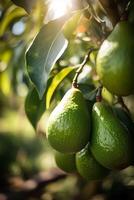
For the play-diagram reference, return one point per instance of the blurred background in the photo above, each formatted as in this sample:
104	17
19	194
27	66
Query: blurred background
27	167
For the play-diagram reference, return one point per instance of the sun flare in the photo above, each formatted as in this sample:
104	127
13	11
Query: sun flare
60	7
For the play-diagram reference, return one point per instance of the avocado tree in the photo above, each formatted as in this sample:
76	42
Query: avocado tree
85	47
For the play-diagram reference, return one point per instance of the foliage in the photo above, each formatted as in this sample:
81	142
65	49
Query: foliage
36	46
42	55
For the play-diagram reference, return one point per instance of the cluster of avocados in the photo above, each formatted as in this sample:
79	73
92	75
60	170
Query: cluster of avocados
96	142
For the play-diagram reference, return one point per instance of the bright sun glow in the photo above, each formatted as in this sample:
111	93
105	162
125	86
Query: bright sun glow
60	7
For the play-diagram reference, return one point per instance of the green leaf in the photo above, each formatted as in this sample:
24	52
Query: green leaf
11	14
34	107
26	4
45	50
55	82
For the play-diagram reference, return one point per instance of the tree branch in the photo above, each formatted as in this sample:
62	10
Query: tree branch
74	84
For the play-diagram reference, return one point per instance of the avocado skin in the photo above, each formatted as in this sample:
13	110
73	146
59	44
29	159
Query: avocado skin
115	60
88	167
111	142
68	128
66	162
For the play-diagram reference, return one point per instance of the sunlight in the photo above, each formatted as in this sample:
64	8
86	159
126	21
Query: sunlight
60	7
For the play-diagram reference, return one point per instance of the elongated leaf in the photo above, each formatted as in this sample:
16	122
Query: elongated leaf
55	82
26	4
34	107
45	50
11	14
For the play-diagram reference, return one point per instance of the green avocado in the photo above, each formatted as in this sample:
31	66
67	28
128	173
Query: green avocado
111	142
68	127
88	167
66	162
115	60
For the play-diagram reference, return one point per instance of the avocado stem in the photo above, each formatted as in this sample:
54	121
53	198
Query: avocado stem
98	94
81	66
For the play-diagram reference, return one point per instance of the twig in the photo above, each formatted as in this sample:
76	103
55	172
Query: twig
112	11
86	59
